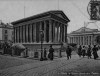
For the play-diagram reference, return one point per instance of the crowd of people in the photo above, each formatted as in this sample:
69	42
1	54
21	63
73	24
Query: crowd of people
88	51
82	51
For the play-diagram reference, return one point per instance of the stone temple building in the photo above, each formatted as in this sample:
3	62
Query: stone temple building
27	31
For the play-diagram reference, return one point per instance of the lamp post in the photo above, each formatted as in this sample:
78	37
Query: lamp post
41	34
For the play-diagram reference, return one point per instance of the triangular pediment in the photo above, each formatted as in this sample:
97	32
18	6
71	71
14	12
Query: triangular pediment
60	14
84	29
56	13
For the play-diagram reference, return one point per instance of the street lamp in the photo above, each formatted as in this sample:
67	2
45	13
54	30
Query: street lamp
41	34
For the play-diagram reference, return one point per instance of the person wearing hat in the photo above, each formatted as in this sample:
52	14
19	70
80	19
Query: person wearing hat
45	54
95	49
50	55
68	52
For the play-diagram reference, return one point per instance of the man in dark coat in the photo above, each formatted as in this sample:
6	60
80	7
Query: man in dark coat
45	54
80	51
51	50
83	51
89	52
68	52
95	49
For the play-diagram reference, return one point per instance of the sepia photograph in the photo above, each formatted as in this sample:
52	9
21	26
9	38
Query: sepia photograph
49	37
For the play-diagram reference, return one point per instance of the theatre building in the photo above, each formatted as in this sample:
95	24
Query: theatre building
53	24
84	36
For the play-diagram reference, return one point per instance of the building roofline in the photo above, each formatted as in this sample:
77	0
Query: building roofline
40	15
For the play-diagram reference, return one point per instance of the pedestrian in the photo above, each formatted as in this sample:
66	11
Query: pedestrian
45	54
83	51
89	52
26	52
95	49
80	51
50	55
68	52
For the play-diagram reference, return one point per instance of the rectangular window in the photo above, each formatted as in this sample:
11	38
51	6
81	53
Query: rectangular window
5	31
6	37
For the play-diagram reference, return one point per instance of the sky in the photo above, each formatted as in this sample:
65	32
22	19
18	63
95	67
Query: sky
75	10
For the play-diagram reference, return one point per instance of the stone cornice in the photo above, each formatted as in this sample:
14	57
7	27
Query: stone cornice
38	16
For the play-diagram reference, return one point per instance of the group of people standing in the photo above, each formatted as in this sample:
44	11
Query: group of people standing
82	51
50	54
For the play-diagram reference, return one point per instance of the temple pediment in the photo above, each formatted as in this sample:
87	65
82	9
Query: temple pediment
56	14
84	29
60	14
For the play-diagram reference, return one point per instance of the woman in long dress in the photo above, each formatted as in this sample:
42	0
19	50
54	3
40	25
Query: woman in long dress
80	51
83	51
89	52
95	49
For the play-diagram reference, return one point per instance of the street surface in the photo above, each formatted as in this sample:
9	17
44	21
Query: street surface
14	66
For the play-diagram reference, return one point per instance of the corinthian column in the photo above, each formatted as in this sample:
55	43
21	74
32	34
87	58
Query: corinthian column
56	32
40	25
31	32
23	33
20	33
17	34
44	31
50	30
26	33
34	32
64	33
14	35
61	32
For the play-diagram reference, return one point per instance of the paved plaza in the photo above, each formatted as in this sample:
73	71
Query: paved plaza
14	66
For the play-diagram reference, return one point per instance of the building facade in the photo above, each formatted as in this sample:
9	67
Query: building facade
6	32
27	31
83	36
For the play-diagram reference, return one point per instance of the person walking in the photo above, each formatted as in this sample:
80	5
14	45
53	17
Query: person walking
83	51
80	51
26	52
50	55
89	52
95	49
68	52
45	54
